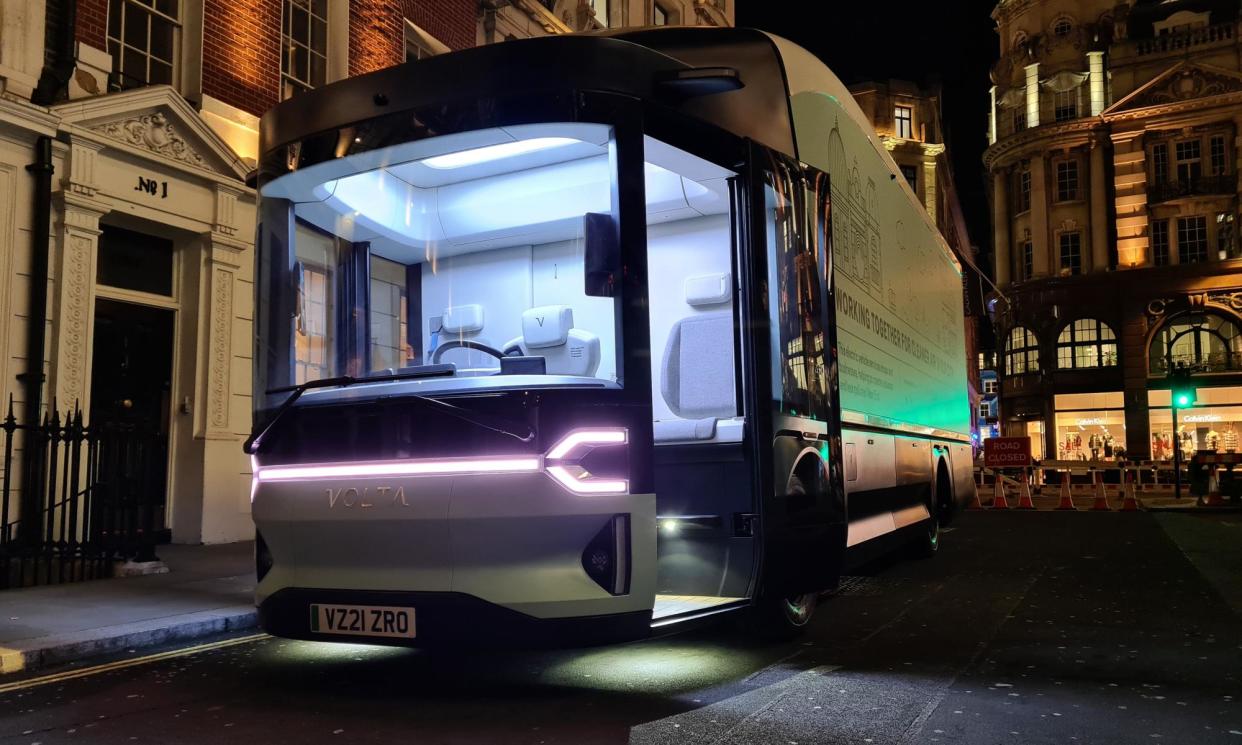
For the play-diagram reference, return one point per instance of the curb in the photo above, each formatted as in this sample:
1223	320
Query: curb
33	654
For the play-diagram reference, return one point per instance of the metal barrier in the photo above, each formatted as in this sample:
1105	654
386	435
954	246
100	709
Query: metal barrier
89	495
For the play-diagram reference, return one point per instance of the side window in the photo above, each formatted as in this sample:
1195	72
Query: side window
795	298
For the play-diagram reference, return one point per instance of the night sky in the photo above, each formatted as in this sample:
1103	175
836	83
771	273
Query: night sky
948	42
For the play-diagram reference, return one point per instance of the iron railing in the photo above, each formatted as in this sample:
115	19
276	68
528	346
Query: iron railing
74	499
1226	183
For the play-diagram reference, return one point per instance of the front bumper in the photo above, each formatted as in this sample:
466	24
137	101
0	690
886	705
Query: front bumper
449	619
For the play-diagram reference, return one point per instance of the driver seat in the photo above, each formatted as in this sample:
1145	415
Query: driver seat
548	332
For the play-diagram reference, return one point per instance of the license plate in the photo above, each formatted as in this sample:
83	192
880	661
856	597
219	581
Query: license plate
362	620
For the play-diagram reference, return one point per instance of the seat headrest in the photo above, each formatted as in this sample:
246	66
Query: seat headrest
462	319
708	289
547	326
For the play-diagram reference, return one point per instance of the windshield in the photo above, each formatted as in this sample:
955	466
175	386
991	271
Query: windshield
492	253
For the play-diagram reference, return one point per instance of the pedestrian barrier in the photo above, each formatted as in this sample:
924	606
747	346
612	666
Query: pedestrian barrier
1129	502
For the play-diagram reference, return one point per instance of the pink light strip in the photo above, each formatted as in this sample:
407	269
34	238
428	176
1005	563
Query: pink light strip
400	468
589	485
575	440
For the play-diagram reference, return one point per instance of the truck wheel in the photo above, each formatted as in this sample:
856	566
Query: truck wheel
784	618
927	543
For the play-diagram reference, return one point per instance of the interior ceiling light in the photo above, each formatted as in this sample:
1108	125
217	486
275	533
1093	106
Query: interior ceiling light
489	153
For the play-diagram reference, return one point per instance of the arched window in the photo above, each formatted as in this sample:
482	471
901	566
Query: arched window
1086	343
1205	342
1061	27
1021	352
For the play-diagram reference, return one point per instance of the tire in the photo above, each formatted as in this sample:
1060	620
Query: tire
927	543
784	618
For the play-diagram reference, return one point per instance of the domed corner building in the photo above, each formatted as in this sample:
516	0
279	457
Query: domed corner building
1113	164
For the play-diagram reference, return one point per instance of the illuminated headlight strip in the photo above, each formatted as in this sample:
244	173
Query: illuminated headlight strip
401	468
587	485
588	437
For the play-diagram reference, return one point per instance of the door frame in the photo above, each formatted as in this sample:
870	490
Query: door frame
171	303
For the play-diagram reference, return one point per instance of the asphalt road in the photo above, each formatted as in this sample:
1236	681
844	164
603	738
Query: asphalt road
1028	628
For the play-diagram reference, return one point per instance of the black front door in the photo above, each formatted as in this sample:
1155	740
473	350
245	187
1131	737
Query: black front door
131	384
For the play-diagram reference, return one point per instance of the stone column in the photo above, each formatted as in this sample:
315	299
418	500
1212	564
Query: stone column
1032	95
21	45
223	254
1095	76
930	153
1099	209
1040	229
1001	248
73	296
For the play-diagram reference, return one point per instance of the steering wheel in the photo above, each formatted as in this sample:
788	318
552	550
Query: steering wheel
464	344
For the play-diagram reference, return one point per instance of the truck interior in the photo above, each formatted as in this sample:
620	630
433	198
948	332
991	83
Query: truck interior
476	247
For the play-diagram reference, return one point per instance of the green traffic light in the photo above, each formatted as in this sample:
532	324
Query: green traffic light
1183	400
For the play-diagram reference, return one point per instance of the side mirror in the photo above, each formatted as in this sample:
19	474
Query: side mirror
601	254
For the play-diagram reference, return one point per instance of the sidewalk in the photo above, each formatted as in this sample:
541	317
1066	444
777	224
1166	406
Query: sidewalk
207	590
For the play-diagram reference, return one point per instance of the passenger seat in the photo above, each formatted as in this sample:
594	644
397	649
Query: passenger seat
548	332
697	379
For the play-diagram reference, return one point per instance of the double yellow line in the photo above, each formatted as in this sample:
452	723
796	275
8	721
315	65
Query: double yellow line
122	664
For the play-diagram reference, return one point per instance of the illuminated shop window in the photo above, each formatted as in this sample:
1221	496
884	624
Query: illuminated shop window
1205	342
1086	343
1090	426
143	39
1021	352
1213	423
304	46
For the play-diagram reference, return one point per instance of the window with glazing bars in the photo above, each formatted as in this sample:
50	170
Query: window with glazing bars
1067	180
1086	343
1224	236
1160	242
1216	149
1192	241
1065	104
903	118
1021	352
1071	253
1023	196
143	36
1028	260
1160	162
304	46
1188	155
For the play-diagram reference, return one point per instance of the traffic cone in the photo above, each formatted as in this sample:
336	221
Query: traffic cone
1024	493
1129	502
1101	499
975	503
1213	498
1067	499
998	495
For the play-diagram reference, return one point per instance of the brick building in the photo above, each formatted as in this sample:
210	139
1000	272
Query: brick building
147	112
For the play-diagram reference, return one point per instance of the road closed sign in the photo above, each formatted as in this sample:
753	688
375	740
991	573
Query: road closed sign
1007	452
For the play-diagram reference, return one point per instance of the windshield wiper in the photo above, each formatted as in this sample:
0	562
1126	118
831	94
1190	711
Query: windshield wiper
516	430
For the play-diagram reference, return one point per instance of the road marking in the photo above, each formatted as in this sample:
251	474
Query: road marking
121	664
